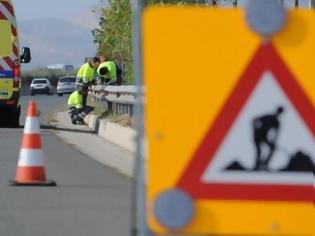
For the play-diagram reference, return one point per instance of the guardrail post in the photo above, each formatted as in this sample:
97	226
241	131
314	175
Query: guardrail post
110	106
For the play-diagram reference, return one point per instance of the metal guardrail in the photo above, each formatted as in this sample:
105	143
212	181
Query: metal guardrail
119	100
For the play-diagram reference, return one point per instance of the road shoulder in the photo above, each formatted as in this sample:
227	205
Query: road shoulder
100	149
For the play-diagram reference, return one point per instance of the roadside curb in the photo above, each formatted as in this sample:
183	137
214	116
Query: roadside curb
119	135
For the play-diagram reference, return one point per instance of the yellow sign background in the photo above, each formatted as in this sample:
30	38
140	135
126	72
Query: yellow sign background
193	57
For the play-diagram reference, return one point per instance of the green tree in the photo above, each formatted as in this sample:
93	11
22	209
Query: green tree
113	36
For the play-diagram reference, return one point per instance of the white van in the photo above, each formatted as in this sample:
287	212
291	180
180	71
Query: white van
10	60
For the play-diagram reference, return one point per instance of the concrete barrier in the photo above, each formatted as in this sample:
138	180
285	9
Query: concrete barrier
92	121
117	134
122	136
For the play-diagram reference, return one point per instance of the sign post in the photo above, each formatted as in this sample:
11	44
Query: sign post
138	217
230	111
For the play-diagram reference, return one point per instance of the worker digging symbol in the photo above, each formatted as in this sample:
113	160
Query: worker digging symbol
266	131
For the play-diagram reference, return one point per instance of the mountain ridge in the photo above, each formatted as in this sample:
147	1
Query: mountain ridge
56	41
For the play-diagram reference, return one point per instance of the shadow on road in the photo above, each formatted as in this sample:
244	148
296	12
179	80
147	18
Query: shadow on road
49	127
10	127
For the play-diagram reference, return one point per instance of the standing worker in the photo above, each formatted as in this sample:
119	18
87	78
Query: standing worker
77	110
266	131
87	74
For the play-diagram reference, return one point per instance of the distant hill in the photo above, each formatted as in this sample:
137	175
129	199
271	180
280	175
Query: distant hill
56	41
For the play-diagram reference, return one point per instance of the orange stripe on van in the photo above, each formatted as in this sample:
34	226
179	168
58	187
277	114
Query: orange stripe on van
15	50
8	7
13	30
2	17
31	141
9	62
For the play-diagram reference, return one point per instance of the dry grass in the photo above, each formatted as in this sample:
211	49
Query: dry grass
123	120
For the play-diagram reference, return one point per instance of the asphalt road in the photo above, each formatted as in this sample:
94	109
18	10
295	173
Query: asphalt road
90	199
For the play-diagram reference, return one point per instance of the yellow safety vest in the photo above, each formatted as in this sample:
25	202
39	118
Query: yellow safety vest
75	100
111	69
86	73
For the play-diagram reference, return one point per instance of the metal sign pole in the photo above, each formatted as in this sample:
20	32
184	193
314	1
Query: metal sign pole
139	225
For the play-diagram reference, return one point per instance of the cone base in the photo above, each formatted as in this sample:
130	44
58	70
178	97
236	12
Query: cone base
45	183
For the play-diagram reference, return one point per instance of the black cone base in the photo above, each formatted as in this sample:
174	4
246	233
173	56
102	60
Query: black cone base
50	183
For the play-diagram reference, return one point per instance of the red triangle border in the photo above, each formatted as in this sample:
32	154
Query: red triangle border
265	58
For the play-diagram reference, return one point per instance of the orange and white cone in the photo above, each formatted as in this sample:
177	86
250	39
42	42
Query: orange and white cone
31	169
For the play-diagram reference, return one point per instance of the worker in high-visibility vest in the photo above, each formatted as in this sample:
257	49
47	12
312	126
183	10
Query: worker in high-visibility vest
77	110
87	74
107	72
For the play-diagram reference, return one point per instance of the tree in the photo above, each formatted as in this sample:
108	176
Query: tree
113	36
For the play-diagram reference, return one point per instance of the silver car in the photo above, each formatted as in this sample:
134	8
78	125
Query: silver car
66	84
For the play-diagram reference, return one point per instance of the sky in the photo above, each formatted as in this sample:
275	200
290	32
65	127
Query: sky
77	12
65	9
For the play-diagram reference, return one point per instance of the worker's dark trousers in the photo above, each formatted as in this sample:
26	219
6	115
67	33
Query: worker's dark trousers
77	115
84	98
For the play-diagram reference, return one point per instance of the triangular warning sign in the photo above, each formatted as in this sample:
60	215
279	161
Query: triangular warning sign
262	144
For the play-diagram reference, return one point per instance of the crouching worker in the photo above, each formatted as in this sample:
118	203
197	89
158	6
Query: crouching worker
107	73
77	111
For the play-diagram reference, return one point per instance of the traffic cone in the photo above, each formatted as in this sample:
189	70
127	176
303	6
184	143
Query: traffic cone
30	170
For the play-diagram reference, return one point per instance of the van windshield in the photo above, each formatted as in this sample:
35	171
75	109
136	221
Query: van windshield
5	39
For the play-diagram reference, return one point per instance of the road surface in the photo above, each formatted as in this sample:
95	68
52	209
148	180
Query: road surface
90	199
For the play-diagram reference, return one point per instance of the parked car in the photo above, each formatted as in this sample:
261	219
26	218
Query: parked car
41	86
66	84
